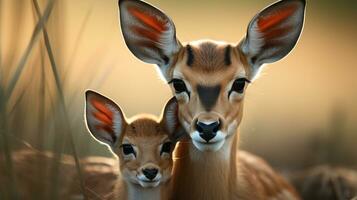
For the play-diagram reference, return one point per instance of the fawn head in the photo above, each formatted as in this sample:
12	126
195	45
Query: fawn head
144	146
209	78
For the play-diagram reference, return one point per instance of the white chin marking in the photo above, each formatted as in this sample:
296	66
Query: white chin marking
145	184
208	146
214	144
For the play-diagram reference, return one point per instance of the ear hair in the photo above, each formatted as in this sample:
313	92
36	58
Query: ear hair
273	33
149	33
104	119
170	119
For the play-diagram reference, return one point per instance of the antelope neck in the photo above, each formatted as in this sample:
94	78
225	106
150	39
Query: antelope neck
205	175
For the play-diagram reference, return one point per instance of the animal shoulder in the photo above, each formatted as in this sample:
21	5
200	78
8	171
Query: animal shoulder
254	174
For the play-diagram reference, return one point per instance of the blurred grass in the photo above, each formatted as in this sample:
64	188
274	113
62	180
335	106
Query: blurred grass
60	91
34	102
41	96
5	98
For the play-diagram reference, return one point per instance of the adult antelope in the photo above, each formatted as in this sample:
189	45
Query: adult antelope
209	79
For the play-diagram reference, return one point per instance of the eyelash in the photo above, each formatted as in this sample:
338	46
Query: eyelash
238	86
166	148
179	86
128	149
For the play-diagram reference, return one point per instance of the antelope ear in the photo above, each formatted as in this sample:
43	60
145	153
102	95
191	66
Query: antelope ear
104	118
273	32
148	32
170	119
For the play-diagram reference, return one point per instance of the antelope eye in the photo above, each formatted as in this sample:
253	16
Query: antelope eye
239	85
179	86
166	148
128	149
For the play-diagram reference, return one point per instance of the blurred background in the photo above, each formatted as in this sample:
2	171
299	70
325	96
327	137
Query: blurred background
301	112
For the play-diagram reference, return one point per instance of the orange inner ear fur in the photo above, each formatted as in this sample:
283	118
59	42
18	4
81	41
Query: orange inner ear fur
154	36
104	115
149	20
152	22
270	21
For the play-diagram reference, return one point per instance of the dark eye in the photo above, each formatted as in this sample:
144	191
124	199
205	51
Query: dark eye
166	148
179	86
128	149
239	85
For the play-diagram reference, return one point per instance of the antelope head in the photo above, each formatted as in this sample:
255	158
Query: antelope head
209	78
144	145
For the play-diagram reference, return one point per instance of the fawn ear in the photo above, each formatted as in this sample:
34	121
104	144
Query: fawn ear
170	119
148	32
104	118
273	32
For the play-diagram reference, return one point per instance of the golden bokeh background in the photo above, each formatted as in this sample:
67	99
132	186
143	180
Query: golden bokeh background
301	111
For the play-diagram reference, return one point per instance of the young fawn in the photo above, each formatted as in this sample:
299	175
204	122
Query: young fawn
209	79
144	146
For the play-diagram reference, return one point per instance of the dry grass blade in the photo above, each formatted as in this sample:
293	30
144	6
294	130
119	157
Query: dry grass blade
6	148
57	152
5	101
62	99
35	36
17	101
1	70
11	186
2	100
42	100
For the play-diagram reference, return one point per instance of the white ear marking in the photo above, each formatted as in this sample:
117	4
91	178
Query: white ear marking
273	33
170	119
149	33
104	118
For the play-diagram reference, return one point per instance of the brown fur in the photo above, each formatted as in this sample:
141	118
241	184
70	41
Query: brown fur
209	79
326	182
144	146
225	174
147	134
208	57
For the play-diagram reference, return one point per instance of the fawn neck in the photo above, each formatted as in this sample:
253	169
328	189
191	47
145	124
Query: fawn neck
130	191
135	192
205	175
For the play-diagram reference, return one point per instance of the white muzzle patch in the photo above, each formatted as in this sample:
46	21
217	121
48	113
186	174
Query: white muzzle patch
214	144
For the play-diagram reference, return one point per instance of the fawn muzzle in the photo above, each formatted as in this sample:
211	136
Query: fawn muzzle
150	173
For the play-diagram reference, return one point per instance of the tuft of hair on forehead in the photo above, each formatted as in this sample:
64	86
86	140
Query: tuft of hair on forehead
208	55
146	125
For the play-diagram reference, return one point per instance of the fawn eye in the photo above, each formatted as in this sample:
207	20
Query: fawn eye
179	86
128	149
166	148
239	85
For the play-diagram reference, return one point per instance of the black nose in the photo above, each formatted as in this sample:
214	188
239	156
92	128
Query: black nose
150	173
207	131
